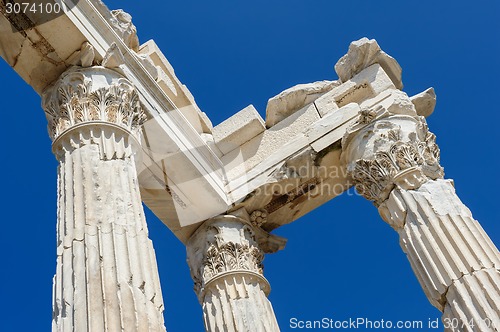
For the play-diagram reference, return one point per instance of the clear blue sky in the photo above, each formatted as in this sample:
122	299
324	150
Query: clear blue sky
342	261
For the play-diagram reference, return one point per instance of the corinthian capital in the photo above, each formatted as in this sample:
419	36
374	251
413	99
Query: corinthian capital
383	150
224	247
91	95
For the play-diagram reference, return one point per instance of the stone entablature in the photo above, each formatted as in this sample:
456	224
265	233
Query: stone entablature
232	167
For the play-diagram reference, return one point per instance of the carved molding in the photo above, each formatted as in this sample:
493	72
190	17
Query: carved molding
80	96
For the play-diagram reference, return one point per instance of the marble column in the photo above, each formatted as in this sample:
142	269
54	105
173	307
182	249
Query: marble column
393	160
106	277
226	265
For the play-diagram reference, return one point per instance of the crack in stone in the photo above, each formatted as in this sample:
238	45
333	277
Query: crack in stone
443	299
16	58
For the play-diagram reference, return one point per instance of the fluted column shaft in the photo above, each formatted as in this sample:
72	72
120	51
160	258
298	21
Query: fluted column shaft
226	266
106	277
394	162
456	263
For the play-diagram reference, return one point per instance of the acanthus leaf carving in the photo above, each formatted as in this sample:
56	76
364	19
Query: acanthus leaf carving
231	256
73	100
226	247
375	178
